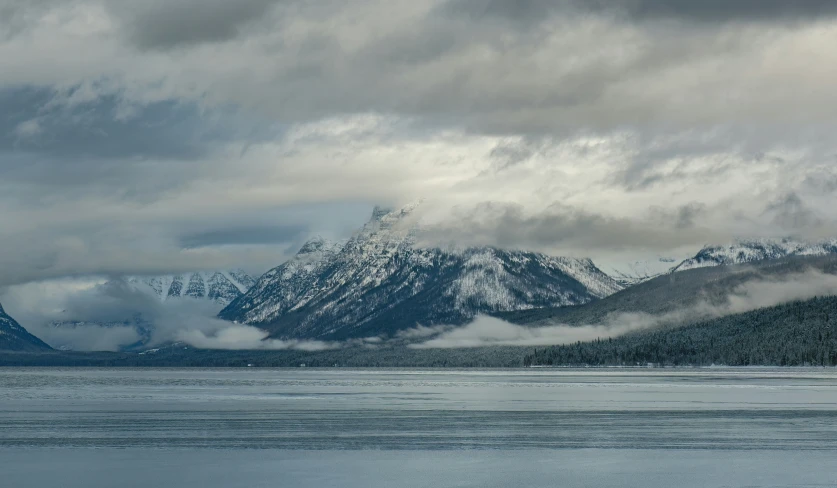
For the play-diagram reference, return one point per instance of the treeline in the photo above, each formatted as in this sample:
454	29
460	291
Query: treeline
800	333
349	357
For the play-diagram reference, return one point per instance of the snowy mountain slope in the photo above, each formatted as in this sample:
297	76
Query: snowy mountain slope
221	287
380	282
739	252
292	285
640	271
13	337
751	250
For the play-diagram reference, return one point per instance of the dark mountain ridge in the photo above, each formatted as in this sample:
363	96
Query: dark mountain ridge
13	337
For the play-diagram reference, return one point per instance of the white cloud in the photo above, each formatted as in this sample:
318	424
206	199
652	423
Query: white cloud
490	331
28	129
245	337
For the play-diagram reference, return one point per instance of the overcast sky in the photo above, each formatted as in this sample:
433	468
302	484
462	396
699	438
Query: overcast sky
168	135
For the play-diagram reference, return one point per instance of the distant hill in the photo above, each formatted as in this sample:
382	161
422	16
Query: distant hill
754	250
13	337
674	291
742	251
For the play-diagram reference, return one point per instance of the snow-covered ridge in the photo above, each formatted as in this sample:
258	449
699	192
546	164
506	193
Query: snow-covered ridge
739	252
221	287
379	281
640	271
750	250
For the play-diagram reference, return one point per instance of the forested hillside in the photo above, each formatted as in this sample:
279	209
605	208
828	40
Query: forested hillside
793	334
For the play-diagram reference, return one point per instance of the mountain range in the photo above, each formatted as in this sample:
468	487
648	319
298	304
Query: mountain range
381	282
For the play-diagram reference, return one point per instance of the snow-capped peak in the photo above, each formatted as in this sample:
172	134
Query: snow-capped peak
380	282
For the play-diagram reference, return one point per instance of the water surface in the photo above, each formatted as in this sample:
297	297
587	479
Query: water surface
200	427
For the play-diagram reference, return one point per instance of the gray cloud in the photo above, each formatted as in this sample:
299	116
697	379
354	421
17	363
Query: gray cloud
721	11
790	212
510	153
75	142
562	227
130	131
80	237
524	11
688	214
450	64
682	217
165	25
17	16
109	186
530	12
245	235
94	122
822	180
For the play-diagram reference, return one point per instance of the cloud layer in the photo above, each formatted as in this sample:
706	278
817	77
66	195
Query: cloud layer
173	135
96	315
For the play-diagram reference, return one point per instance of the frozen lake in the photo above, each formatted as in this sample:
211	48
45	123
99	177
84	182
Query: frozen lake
536	427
